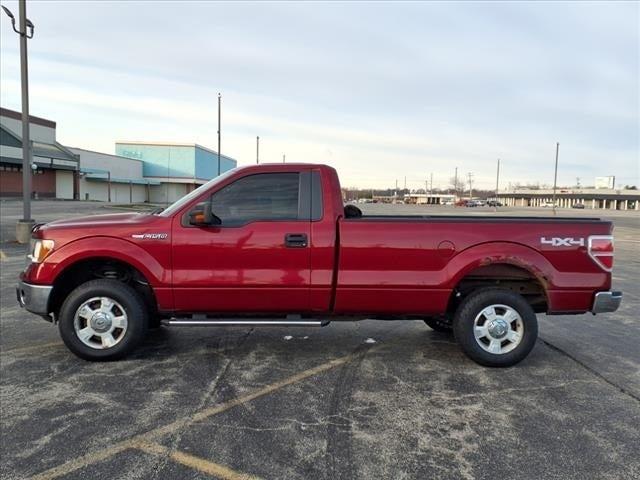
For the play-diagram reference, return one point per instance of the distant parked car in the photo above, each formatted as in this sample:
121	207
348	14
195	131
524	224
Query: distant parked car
548	205
578	205
494	203
473	203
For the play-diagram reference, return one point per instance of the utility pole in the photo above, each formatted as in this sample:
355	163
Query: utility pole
257	150
495	208
431	183
555	178
283	158
455	183
405	182
23	227
219	98
470	185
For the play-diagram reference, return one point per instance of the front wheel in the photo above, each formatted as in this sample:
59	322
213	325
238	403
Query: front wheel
102	320
495	327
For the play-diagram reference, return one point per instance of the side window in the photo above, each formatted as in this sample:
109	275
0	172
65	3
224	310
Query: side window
264	196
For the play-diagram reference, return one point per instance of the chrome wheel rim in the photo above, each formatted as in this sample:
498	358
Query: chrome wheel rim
498	329
100	323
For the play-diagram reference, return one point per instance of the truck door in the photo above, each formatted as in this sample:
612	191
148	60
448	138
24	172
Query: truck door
258	258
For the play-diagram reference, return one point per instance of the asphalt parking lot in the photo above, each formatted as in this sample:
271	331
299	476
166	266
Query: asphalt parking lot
368	399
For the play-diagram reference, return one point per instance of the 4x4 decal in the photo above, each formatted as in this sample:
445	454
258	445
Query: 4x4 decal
562	242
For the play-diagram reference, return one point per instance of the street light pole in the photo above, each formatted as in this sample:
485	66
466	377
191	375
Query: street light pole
555	178
257	150
23	227
219	98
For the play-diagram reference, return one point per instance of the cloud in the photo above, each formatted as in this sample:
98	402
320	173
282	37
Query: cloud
391	90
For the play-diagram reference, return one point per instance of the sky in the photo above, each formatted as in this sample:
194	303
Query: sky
380	91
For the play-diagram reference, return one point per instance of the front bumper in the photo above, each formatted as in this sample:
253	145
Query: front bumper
34	298
606	302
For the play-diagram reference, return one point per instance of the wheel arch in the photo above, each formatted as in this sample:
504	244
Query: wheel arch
505	265
96	267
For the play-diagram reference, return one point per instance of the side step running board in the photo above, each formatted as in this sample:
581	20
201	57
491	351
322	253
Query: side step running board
186	322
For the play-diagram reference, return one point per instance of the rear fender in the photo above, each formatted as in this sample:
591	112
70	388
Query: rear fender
493	253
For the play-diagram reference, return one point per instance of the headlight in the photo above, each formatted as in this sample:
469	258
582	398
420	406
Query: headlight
39	250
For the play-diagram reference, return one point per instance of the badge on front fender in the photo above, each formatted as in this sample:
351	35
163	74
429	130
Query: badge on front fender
150	236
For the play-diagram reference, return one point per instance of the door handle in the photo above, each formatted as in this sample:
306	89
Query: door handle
295	240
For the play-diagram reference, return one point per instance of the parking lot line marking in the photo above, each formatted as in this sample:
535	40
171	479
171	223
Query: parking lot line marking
3	256
107	452
28	349
196	463
84	461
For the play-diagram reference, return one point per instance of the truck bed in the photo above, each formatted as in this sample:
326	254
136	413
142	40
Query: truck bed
475	218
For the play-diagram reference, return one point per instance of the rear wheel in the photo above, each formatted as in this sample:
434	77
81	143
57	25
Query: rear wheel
102	320
495	327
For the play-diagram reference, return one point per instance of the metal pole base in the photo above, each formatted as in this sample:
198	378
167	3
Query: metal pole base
23	230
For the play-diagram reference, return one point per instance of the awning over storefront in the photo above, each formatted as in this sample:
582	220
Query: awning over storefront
98	175
45	155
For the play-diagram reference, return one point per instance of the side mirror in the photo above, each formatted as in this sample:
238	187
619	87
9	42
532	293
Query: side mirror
203	216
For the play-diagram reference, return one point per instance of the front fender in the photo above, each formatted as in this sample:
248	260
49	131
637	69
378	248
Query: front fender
157	273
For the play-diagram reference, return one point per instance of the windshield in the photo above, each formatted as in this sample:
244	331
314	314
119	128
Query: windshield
181	202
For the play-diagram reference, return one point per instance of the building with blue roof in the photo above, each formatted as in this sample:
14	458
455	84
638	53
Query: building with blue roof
180	167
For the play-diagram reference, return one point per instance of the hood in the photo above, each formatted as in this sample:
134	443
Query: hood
96	221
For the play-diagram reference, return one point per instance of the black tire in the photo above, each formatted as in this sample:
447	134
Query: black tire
131	302
473	305
439	325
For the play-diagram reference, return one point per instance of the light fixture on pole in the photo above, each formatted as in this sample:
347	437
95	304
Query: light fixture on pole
24	225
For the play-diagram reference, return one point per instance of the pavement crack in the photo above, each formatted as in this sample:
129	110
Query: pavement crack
591	370
213	385
339	455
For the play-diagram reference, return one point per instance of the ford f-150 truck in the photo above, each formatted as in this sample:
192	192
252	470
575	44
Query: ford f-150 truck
275	245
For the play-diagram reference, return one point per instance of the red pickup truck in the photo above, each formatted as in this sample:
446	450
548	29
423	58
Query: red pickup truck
275	245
